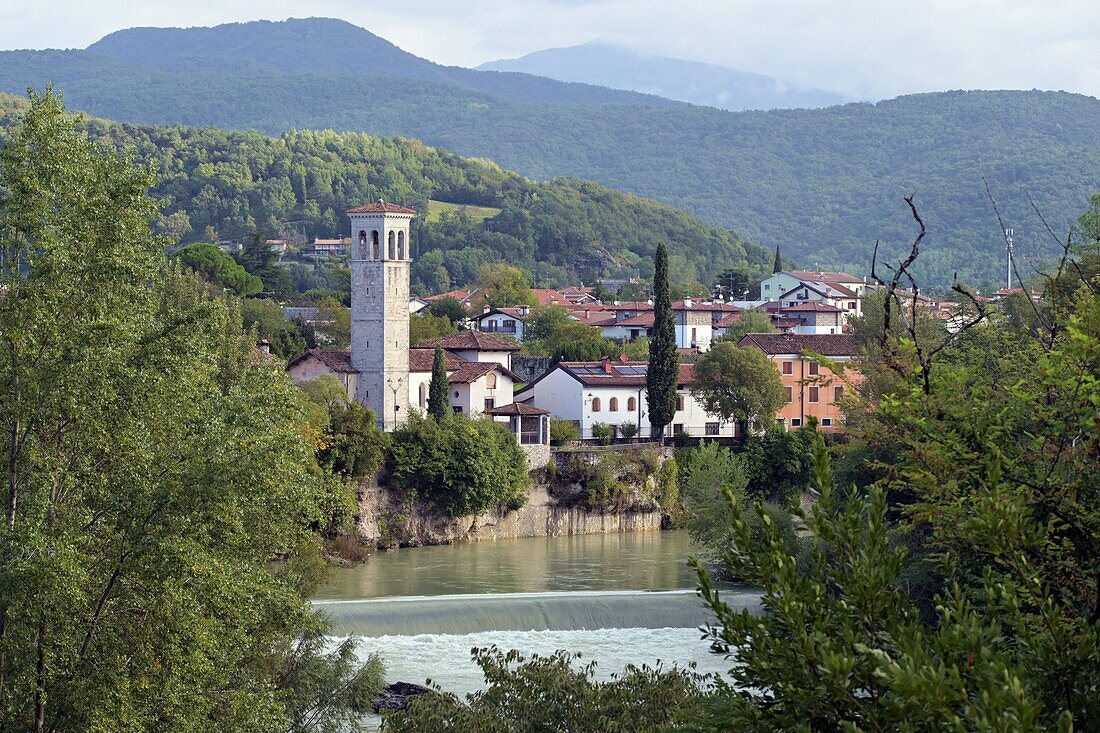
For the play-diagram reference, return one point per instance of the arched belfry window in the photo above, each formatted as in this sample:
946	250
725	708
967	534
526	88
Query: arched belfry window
401	245
362	245
392	245
375	254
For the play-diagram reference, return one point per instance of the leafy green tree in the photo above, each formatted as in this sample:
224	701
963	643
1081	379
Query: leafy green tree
544	320
218	268
426	326
777	265
739	384
778	464
333	327
458	464
349	442
448	308
328	690
439	399
563	431
749	321
503	285
265	317
575	341
664	364
152	470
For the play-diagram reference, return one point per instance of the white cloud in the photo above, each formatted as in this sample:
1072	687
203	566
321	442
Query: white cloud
865	48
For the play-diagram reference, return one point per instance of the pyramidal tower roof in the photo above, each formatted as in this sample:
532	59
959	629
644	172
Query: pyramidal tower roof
381	207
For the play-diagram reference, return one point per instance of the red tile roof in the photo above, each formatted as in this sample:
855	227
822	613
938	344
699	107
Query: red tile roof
459	295
381	207
592	316
826	344
422	360
615	373
812	306
645	320
338	360
516	408
472	341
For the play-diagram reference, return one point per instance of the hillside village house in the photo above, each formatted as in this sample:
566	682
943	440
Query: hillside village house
812	388
613	393
838	289
504	321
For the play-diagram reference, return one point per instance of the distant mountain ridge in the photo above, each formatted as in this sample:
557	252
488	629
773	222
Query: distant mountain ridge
824	184
616	67
329	47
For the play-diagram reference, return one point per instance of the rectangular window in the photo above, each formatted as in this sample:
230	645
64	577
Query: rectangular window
679	402
838	394
790	394
796	422
712	428
826	422
678	428
767	287
814	368
693	334
813	394
490	403
457	409
851	306
788	367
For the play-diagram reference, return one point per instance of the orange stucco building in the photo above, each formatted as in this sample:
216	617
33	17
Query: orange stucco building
812	388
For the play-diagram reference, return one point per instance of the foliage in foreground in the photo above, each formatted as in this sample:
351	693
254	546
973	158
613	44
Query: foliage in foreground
153	469
554	693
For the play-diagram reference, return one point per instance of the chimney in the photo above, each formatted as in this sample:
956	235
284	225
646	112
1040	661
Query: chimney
485	309
524	309
605	362
687	303
623	358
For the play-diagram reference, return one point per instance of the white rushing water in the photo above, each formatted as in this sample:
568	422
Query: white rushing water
445	658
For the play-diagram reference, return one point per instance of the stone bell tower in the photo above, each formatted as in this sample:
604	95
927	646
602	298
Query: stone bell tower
380	260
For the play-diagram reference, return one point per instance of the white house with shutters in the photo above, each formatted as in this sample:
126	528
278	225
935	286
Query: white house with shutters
613	393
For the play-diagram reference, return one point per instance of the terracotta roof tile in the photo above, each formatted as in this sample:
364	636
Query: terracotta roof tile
338	360
472	341
792	343
516	408
473	371
381	207
422	360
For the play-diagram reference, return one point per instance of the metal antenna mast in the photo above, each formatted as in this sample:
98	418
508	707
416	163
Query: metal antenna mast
1008	248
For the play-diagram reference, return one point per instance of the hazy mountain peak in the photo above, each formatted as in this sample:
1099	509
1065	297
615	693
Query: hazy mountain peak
607	64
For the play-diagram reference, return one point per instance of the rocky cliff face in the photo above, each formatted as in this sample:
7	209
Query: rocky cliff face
388	519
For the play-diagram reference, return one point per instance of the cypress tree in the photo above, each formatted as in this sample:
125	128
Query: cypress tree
439	401
664	364
777	266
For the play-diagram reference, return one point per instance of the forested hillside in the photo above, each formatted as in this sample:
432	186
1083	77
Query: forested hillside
242	183
822	184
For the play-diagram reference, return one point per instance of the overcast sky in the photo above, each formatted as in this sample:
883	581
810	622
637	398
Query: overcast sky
867	49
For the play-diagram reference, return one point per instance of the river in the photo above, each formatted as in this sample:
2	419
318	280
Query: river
619	599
